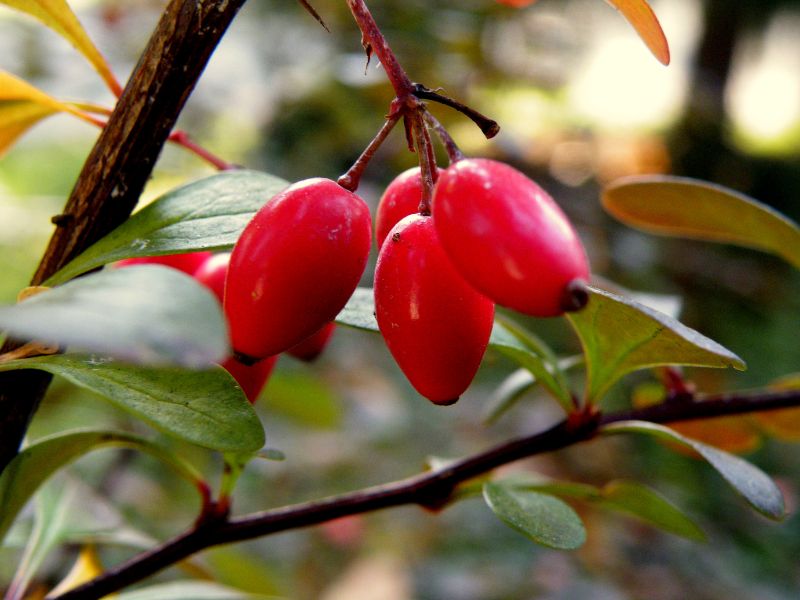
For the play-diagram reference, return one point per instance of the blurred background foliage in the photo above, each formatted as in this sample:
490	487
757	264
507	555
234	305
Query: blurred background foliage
580	102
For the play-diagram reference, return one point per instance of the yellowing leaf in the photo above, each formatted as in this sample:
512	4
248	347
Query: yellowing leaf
86	568
644	21
16	118
22	106
690	208
735	434
782	424
58	16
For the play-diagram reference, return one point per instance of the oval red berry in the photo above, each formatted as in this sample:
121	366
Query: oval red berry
400	199
435	324
508	238
295	265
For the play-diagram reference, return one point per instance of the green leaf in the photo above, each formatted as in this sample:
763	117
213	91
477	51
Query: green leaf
31	467
359	312
505	396
642	502
629	497
541	517
639	14
749	481
206	408
53	507
191	590
57	15
689	208
531	353
619	335
208	214
143	314
67	511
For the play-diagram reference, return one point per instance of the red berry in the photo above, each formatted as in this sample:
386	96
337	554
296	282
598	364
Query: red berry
295	266
435	324
188	262
401	198
310	348
516	3
212	273
251	378
509	239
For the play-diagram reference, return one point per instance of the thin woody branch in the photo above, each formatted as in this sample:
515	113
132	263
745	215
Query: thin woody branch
118	167
431	489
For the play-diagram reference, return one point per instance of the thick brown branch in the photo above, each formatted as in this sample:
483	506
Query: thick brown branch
431	490
118	167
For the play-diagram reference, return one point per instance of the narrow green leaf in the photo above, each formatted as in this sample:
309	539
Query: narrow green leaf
208	214
749	481
642	502
541	517
206	408
359	312
506	395
690	208
31	467
191	590
50	519
67	511
144	314
619	335
529	352
629	497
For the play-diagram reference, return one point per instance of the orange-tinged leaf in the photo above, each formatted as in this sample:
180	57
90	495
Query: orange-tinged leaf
58	16
22	106
734	434
16	118
690	208
644	21
783	424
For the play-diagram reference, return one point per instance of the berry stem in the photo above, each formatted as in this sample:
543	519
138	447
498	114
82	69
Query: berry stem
352	178
427	159
181	138
454	153
488	126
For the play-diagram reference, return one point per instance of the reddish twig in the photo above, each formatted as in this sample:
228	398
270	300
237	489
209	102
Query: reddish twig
488	126
352	178
181	138
453	151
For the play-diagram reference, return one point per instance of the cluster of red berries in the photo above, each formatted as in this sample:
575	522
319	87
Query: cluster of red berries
493	236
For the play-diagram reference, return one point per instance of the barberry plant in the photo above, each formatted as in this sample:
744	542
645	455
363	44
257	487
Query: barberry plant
452	240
